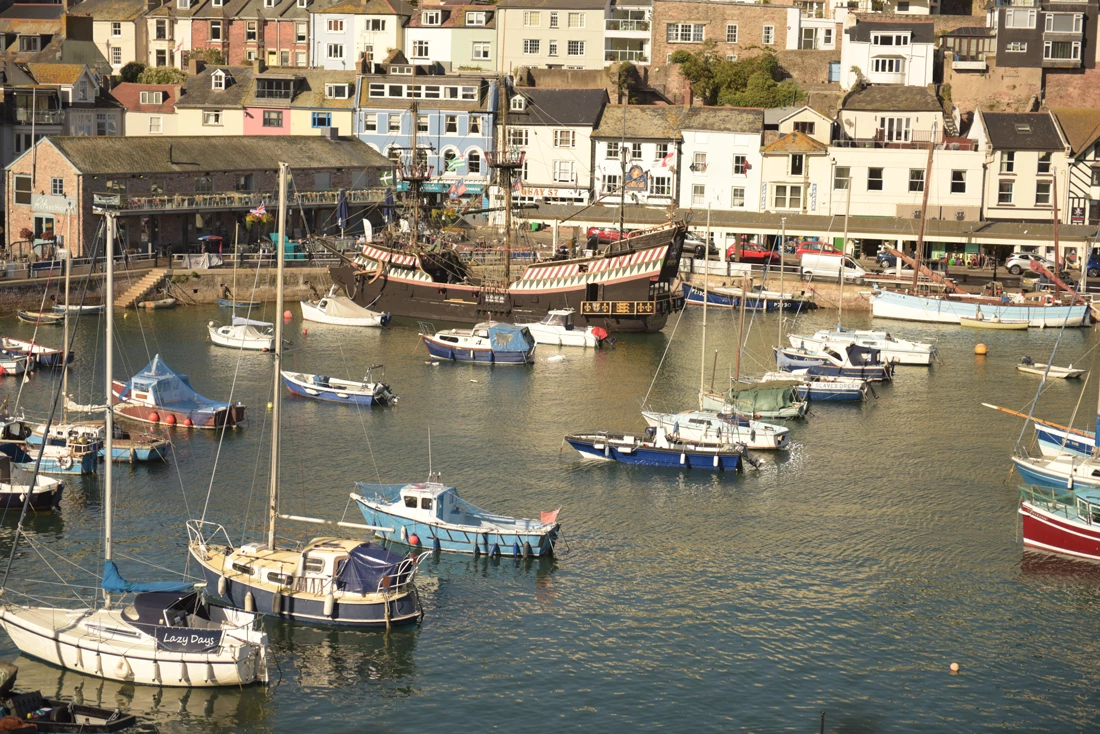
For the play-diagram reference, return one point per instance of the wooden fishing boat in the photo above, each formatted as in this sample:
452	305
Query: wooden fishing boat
993	322
432	515
169	302
40	317
1053	371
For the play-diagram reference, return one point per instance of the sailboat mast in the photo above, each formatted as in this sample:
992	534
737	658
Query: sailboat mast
745	283
109	424
782	242
414	184
706	287
276	400
844	247
622	177
924	207
1057	248
65	338
507	176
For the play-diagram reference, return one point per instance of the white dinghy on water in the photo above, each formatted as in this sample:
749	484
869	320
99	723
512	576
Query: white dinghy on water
167	635
243	334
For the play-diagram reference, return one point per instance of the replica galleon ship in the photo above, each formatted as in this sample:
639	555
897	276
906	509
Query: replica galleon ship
624	286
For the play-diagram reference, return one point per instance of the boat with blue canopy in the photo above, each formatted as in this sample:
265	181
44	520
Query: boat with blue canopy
852	361
432	515
489	342
159	394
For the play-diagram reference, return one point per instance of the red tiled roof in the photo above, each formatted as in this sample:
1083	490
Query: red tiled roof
129	96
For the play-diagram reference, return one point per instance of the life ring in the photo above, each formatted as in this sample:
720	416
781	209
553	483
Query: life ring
65	462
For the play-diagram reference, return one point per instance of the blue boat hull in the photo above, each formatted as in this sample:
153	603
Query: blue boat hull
788	363
478	356
86	465
404	609
1082	446
135	455
227	303
660	457
694	295
452	540
824	394
331	396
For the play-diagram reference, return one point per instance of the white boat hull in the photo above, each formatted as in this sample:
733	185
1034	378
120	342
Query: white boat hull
890	351
904	307
1061	373
312	312
238	337
557	336
757	435
82	640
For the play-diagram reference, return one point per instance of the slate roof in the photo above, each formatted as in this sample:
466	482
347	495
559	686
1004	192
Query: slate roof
128	95
667	122
561	107
1022	131
240	90
109	9
1080	126
795	142
55	73
369	7
193	154
923	32
199	92
725	119
239	9
892	98
32	11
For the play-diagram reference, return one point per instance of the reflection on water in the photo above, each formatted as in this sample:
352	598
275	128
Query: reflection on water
326	658
157	709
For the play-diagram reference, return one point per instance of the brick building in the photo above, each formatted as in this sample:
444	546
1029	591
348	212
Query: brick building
738	29
175	188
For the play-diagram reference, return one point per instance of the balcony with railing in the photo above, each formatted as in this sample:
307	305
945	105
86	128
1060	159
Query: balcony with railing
622	49
28	116
626	26
1011	4
911	140
968	62
240	200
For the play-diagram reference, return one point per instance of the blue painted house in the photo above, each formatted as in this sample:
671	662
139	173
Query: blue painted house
454	122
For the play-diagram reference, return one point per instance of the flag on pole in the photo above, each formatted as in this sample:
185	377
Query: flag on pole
386	179
456	163
667	160
342	213
259	211
518	185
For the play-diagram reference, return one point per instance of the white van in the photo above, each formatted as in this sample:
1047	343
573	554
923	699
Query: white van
829	267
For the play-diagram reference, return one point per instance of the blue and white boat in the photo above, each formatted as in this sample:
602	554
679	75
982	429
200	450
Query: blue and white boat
432	515
230	303
1053	440
823	388
652	449
1038	310
63	457
1064	471
757	299
853	361
335	390
489	342
708	427
892	349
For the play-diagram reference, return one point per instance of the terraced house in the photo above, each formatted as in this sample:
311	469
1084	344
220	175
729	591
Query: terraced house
118	29
551	34
347	31
460	37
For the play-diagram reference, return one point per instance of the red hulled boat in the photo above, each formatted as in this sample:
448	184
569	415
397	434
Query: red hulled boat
1060	520
158	394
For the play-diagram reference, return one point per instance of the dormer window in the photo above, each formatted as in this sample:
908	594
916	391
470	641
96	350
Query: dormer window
431	17
82	90
30	43
519	103
337	91
152	97
890	39
183	4
303	3
475	18
1023	128
406	70
217	3
217	80
269	3
274	88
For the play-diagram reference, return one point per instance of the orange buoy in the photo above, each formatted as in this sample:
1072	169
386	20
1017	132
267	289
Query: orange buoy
170	420
414	540
154	417
305	331
981	350
187	423
288	315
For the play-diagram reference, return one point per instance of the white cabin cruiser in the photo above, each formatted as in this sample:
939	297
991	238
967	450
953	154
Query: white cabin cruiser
243	334
341	311
892	349
707	427
558	328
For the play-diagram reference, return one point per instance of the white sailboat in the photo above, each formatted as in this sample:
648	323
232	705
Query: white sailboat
166	636
329	580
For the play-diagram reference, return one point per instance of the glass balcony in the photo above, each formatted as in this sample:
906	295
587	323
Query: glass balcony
626	25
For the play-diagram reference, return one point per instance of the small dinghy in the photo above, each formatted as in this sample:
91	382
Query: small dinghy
243	334
487	343
169	302
332	389
40	714
12	364
40	317
433	516
558	329
993	322
76	308
36	353
45	497
341	311
653	449
1054	371
707	427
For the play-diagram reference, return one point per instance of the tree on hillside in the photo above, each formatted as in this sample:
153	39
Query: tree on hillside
750	82
131	71
162	75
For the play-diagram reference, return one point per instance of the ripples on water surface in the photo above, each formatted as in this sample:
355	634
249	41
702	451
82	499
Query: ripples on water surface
846	576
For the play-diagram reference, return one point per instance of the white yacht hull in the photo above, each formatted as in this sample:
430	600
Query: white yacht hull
311	312
559	337
890	351
241	338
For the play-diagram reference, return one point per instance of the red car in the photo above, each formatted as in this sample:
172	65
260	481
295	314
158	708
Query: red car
607	234
813	247
750	252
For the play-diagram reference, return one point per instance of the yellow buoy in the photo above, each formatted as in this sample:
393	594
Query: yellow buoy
954	667
270	406
981	349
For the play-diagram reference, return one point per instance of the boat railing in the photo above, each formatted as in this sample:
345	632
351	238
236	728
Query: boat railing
1055	500
203	533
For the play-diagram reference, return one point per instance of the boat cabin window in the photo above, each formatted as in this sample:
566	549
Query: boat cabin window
315	565
410	502
426	503
448	339
483	333
278	578
242	568
831	353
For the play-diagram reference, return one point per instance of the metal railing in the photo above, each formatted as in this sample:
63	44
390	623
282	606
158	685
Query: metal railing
265	259
624	55
25	116
246	199
625	24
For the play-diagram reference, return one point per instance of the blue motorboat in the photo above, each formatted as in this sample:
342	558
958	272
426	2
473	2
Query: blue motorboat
332	389
854	361
1064	471
654	450
230	303
432	515
63	459
486	343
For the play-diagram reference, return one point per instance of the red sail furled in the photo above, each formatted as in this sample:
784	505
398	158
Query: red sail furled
550	517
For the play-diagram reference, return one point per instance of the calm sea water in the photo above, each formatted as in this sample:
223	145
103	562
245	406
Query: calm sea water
844	577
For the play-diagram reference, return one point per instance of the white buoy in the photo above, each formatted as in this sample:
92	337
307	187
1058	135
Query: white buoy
556	358
954	667
249	602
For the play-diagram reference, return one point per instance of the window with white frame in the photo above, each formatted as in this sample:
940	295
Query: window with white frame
698	194
890	39
827	38
660	185
768	36
422	122
564	172
737	197
1042	193
473	161
431	17
212	117
1004	192
217	80
576	20
337	91
474	125
475	18
155	124
420	49
450	124
105	124
151	97
554	20
699	162
335	26
250	30
1063	22
518	137
1044	162
116	56
786	196
613	150
842	177
24	190
116	30
895	129
370	123
740	165
518	103
874	179
575	48
269	3
1019	18
662	151
611	183
1008	161
888	65
30	43
1061	50
532	19
215	30
393	123
335	51
565	139
57	186
731	33
958	182
1016	47
160	30
552	48
301	32
916	180
481	50
684	32
299	58
530	46
376	25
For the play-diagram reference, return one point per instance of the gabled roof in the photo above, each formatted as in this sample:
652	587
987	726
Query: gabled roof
122	10
891	98
795	142
366	7
128	95
792	111
1022	131
1080	126
117	155
561	107
923	32
198	91
55	73
641	123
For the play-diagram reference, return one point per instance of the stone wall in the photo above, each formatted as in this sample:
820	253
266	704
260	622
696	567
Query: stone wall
998	89
1071	89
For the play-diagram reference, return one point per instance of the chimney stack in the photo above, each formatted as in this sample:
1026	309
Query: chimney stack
689	97
195	66
258	66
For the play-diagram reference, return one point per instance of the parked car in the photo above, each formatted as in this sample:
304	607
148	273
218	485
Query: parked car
695	246
750	252
817	265
1021	261
1093	267
607	234
815	247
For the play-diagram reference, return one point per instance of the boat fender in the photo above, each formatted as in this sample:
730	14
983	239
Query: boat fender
414	539
123	669
276	603
187	423
683	459
156	672
223	586
526	549
210	677
404	534
435	545
154	417
98	664
494	552
477	551
249	602
330	605
716	461
65	462
79	658
515	549
170	420
184	678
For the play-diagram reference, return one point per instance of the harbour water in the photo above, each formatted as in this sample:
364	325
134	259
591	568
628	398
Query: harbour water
844	577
